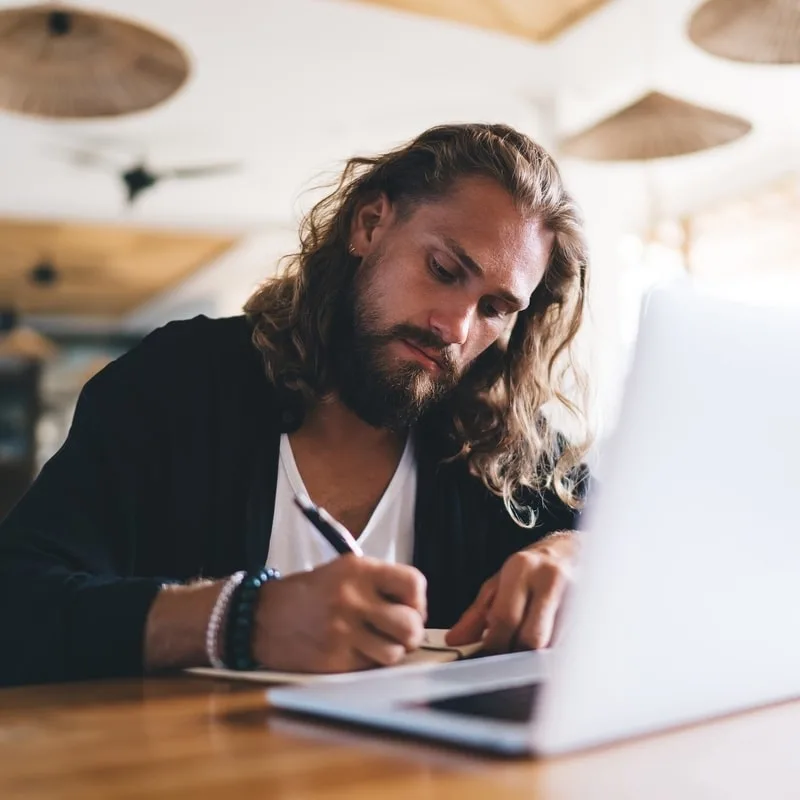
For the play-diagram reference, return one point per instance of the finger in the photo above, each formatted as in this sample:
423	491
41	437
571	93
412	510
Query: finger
396	622
560	623
472	623
538	626
376	648
403	584
346	660
508	609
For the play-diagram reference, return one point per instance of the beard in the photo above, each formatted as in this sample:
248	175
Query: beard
381	389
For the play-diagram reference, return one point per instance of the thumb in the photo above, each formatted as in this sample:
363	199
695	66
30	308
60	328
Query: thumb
471	625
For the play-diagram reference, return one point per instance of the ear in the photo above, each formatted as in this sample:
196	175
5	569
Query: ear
370	222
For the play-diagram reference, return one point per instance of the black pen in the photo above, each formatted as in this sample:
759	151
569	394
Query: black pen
342	541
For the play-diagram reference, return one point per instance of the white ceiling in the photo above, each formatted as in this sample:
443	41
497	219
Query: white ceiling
293	87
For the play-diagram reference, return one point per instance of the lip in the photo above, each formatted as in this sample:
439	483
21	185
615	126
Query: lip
422	355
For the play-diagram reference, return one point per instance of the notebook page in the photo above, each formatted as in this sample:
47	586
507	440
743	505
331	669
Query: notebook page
434	650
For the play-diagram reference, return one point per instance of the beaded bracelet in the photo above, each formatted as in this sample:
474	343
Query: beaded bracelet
215	620
241	615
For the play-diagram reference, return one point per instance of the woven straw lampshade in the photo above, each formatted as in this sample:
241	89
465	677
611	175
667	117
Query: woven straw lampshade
656	126
56	61
755	31
26	343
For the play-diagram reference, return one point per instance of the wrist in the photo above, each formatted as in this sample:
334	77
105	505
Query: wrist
241	622
273	621
563	543
175	632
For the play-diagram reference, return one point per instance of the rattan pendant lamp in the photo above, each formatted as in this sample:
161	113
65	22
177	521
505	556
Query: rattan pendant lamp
64	62
754	31
655	126
19	341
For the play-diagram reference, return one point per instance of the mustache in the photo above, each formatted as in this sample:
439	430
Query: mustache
424	338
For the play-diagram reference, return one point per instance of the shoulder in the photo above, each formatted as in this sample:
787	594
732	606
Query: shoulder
178	363
185	344
200	335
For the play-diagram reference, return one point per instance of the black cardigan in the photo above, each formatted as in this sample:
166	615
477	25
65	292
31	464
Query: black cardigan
169	473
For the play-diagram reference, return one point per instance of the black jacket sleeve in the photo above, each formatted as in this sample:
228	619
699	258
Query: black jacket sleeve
70	605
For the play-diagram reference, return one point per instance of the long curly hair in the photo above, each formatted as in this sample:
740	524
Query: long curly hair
496	417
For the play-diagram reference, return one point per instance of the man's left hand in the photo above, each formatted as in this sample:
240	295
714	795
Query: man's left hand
516	609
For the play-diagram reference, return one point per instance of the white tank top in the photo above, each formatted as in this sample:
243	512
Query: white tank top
296	545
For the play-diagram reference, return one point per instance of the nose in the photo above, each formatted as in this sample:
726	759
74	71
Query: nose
453	323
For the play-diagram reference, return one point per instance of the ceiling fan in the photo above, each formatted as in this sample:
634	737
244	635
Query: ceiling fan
138	176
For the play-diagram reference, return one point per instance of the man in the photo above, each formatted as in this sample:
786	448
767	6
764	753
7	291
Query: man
397	373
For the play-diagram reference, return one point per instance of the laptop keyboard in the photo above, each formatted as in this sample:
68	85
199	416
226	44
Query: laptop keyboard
516	704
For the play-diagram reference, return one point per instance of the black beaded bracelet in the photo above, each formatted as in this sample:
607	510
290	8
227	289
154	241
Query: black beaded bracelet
241	615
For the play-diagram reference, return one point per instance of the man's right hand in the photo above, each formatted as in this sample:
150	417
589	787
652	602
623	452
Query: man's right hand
350	614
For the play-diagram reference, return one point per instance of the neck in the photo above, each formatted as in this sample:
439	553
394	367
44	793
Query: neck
332	423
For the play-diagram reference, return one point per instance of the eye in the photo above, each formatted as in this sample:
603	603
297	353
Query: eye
491	311
442	274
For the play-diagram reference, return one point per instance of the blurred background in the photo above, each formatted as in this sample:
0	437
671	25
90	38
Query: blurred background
156	156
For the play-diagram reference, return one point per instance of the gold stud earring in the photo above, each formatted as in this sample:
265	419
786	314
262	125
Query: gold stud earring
352	250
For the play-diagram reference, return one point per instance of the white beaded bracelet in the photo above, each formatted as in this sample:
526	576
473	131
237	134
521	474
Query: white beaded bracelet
216	618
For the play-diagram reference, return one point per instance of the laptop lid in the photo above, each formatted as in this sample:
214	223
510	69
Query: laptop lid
689	592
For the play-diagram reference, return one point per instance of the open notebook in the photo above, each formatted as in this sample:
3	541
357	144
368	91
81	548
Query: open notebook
433	651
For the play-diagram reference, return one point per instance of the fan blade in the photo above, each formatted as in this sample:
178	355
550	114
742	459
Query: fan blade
86	158
122	149
200	171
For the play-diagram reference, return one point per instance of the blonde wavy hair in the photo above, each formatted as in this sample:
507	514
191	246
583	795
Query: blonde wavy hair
496	417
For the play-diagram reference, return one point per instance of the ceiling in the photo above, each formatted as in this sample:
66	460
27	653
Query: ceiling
293	88
99	270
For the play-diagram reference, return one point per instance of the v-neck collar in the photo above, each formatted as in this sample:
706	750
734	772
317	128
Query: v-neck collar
286	457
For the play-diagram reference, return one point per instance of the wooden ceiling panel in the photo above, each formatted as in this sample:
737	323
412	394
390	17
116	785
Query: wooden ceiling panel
100	270
538	20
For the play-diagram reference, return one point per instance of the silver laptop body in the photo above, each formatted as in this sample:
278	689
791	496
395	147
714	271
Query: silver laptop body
688	599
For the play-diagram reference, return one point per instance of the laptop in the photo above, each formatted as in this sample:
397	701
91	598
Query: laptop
687	601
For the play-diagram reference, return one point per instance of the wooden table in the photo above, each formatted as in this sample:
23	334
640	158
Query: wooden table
192	737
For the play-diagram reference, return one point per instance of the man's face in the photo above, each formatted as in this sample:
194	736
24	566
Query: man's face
434	290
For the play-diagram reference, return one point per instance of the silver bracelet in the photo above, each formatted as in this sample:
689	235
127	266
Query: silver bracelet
216	618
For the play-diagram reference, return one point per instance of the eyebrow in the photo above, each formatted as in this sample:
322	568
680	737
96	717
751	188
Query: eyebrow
476	269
